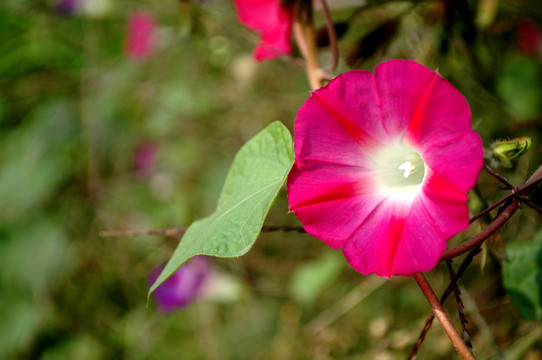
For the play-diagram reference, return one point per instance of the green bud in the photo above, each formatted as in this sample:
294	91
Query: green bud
509	150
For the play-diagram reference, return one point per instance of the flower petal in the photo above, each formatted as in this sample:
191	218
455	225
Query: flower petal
352	96
446	206
373	247
315	196
419	247
457	161
442	114
272	20
401	86
329	137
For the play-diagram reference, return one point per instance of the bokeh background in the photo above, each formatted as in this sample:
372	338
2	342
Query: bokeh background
93	139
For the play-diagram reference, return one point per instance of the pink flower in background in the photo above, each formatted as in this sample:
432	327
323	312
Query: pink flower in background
140	42
529	38
145	159
272	20
383	164
183	286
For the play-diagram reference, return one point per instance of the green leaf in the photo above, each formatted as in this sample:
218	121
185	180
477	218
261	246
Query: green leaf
258	172
523	277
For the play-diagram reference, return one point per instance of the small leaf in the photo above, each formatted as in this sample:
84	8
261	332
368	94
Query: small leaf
523	277
258	172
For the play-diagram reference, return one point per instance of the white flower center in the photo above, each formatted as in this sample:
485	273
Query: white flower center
399	170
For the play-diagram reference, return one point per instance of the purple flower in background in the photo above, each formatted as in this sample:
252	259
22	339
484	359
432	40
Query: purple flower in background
183	286
66	7
145	159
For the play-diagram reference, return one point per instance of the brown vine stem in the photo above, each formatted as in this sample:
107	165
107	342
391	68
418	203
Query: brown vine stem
181	231
130	233
466	262
441	315
516	192
517	195
332	36
300	40
306	42
476	240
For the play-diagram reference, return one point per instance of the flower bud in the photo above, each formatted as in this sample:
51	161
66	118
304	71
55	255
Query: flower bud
505	152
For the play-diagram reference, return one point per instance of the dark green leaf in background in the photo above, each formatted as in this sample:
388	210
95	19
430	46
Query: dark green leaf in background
252	184
523	277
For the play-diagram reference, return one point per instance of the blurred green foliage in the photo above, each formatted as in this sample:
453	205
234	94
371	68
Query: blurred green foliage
523	277
74	110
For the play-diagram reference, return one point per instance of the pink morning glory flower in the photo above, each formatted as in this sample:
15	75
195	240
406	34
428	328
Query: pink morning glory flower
529	38
183	287
272	20
383	165
140	36
145	159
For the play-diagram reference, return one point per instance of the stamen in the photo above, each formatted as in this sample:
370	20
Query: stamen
407	167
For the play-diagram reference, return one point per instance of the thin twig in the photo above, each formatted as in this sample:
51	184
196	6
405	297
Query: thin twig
532	205
492	207
441	315
332	37
518	194
421	337
478	239
304	36
270	228
460	308
129	233
181	231
535	178
496	175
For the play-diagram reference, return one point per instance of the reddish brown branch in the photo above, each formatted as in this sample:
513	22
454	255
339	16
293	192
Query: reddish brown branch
478	239
441	315
518	194
466	262
332	37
